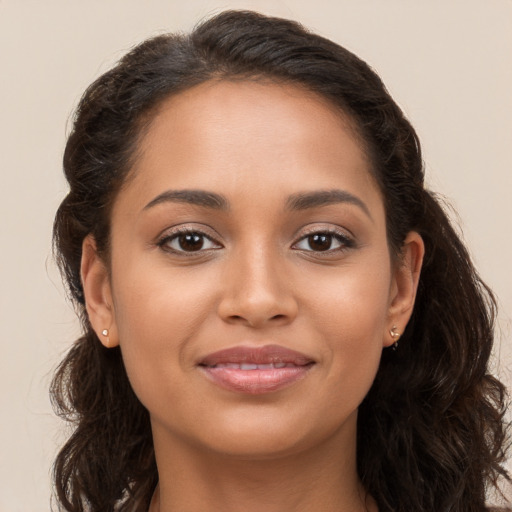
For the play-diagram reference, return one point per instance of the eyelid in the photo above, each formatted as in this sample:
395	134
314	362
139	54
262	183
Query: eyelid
183	229
343	235
320	227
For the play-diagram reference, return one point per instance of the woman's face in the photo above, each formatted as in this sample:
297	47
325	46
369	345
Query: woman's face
251	286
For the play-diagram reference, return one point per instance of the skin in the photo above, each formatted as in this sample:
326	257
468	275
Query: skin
258	279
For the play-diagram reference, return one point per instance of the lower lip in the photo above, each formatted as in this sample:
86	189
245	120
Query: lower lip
255	382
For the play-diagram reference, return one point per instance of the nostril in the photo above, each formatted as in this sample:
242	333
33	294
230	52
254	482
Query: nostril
255	309
256	321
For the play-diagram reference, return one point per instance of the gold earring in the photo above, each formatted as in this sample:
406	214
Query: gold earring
395	335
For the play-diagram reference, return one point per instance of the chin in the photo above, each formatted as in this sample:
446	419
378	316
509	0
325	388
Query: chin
263	436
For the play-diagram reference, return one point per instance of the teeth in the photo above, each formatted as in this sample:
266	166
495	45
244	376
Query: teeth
248	366
253	366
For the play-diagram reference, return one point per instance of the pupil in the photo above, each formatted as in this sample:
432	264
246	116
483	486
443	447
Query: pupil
320	242
191	242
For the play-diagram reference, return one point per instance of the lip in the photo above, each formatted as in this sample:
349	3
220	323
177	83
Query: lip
255	370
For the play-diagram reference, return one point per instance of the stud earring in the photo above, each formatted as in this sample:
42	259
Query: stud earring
395	335
105	333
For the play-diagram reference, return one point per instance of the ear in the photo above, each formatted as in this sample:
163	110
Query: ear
404	286
98	294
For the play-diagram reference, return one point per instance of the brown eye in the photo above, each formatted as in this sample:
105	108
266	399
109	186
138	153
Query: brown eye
191	242
187	242
320	241
323	241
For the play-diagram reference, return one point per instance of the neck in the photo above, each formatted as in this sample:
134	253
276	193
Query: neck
321	478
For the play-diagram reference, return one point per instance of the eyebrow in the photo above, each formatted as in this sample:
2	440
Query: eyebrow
307	200
299	201
194	197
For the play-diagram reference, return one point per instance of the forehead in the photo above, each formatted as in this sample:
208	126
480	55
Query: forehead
266	136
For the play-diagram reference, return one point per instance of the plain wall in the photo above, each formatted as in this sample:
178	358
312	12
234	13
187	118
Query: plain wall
446	62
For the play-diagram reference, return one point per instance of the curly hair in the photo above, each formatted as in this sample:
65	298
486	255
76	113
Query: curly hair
431	431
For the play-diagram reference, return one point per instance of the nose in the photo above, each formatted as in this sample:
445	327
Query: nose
257	292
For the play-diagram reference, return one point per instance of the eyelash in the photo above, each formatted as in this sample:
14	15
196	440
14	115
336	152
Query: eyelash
345	241
164	243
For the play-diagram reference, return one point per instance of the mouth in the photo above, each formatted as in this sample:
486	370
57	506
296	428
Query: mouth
254	366
256	370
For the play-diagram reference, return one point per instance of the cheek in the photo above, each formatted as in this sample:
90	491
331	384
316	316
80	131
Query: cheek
350	313
157	314
353	302
155	302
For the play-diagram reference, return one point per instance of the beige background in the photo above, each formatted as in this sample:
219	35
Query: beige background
447	63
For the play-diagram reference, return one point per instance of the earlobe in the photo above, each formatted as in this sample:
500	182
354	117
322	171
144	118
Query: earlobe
404	286
97	293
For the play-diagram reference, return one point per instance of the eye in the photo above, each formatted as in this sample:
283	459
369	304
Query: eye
323	241
188	242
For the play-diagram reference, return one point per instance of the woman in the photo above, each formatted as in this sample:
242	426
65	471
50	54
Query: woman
277	314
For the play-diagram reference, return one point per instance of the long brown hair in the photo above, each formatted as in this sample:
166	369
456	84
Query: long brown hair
431	435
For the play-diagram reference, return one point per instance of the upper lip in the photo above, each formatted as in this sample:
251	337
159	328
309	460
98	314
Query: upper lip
257	355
